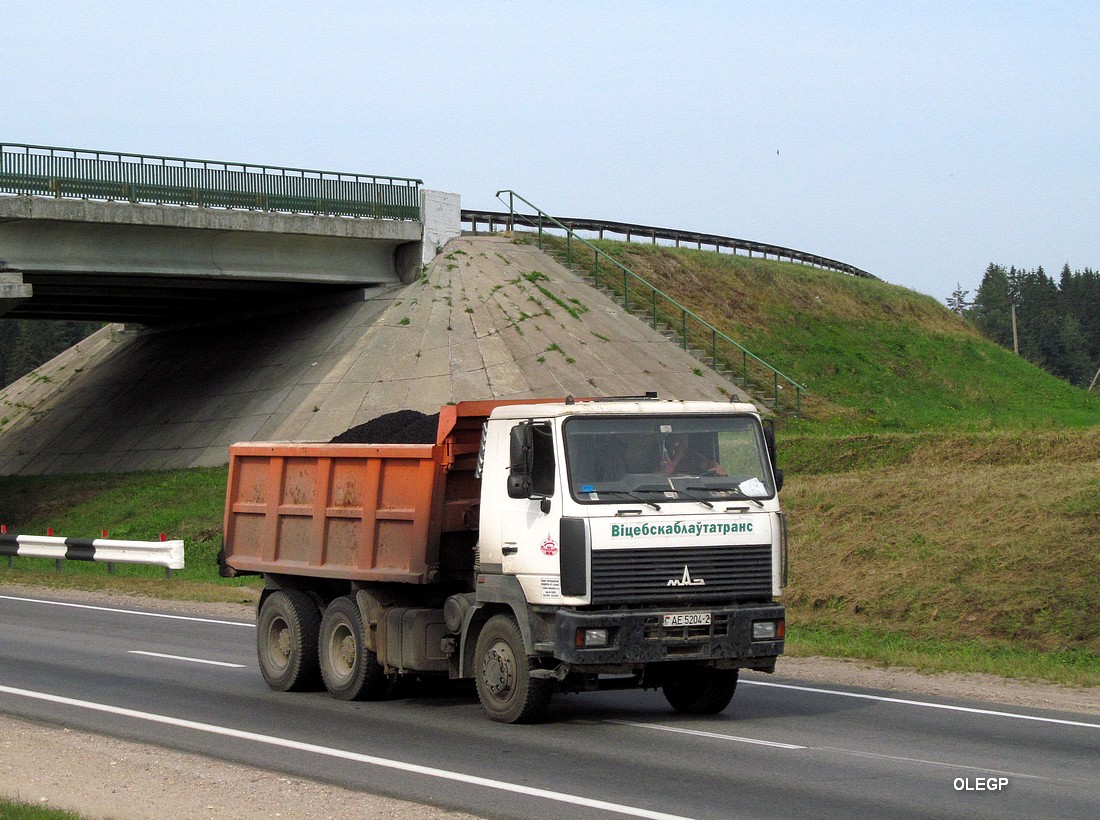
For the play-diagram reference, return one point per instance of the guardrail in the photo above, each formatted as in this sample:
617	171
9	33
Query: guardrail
163	553
493	219
41	170
695	334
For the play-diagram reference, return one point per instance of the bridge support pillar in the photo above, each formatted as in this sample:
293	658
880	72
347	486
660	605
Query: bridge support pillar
13	291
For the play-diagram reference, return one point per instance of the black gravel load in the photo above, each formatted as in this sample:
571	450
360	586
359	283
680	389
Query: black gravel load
401	427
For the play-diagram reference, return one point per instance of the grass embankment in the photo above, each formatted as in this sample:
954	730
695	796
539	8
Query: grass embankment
874	356
972	552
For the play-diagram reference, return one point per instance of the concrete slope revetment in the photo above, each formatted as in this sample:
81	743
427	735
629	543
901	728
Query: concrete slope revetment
488	318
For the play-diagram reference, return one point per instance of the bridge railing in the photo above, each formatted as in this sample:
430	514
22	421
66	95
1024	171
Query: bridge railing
41	170
651	233
694	333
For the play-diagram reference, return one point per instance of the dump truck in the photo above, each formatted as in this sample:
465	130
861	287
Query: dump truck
537	546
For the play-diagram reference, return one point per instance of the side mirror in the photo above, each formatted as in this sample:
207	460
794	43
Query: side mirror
521	450
769	440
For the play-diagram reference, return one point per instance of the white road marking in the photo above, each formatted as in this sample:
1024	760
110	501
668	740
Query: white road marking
923	703
714	735
127	611
833	749
370	760
876	756
182	658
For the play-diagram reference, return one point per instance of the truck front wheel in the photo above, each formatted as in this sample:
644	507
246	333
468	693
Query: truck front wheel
286	640
350	670
507	691
701	691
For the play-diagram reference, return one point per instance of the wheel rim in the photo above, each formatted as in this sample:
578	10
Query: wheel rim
342	651
498	671
279	640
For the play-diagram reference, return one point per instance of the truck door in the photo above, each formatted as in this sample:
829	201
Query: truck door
529	524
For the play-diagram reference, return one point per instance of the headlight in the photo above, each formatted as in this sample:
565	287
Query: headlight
587	638
768	630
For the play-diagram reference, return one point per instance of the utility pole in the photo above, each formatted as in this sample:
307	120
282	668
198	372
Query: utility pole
1015	338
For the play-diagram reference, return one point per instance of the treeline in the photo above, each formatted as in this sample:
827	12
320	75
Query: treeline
1057	322
25	344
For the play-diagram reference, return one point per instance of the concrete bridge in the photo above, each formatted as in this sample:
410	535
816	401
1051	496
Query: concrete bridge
159	240
233	325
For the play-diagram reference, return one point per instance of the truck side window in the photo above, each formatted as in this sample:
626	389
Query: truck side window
542	476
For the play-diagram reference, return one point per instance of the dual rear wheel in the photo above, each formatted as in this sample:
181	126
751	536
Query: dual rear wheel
299	647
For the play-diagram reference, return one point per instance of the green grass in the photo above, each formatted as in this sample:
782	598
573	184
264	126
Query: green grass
1067	667
15	810
185	504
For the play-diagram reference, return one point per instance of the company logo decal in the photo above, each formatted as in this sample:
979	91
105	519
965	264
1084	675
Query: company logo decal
686	580
549	546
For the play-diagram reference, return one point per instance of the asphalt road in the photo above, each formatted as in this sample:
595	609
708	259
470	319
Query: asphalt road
783	748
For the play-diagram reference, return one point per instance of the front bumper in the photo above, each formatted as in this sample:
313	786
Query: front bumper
638	636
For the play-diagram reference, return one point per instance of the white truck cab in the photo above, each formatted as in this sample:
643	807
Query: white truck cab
643	537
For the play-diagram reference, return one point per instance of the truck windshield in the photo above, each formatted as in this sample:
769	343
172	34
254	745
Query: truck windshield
666	458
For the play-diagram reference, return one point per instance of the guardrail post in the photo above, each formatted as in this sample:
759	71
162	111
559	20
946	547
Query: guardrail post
775	376
596	268
540	230
569	247
626	292
654	308
684	326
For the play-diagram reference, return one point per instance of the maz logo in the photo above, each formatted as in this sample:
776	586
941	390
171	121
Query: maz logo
686	581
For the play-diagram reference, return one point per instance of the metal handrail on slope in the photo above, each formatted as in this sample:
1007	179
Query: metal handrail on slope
41	170
694	332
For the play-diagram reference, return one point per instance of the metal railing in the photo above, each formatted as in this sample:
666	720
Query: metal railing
695	334
41	170
651	233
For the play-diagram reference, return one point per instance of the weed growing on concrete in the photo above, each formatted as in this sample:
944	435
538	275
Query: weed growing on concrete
599	336
404	321
575	310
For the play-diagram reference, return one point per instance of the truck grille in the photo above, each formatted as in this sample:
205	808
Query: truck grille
642	576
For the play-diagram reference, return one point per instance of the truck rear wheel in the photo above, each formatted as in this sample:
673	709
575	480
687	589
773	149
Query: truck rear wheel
350	670
701	691
507	691
286	640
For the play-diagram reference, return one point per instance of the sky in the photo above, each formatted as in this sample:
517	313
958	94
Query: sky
918	141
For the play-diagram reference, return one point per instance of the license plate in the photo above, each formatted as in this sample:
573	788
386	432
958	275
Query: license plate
687	619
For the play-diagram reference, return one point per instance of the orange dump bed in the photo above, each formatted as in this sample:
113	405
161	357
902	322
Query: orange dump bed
367	512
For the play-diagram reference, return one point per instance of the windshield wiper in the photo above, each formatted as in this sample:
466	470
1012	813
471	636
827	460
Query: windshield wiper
735	491
632	497
678	491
